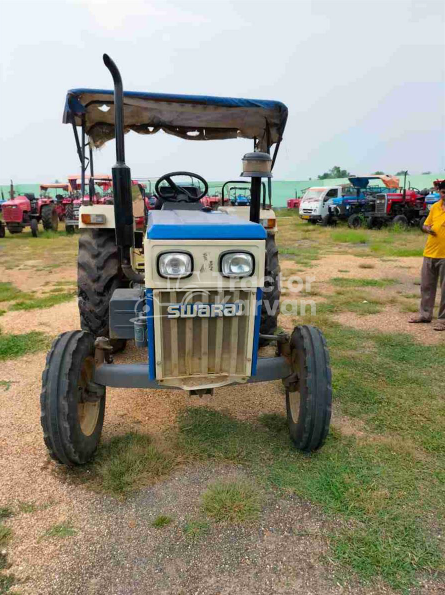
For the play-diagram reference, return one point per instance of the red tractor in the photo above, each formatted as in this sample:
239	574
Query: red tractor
27	210
62	196
73	203
404	208
293	203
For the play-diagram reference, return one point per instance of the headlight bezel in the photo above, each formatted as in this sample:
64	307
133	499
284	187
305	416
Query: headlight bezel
173	252
235	275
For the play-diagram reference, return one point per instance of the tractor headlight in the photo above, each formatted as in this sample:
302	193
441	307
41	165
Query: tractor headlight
237	264
268	223
175	264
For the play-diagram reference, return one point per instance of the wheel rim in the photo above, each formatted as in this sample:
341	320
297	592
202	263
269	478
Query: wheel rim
294	396
294	405
87	411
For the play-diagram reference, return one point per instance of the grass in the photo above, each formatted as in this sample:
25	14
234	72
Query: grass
390	242
128	461
231	502
5	535
6	582
39	303
27	507
65	284
9	293
162	521
303	255
13	346
346	236
409	308
356	282
5	512
61	531
194	530
351	300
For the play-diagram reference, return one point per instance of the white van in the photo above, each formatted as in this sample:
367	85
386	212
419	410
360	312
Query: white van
315	203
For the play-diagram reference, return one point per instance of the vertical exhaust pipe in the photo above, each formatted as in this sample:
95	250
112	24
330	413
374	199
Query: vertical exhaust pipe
123	203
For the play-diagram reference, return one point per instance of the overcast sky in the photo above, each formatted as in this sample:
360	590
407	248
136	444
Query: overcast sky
364	81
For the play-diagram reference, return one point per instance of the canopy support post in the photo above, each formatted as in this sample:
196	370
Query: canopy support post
92	189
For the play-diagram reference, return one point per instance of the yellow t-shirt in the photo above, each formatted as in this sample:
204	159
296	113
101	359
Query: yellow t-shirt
435	245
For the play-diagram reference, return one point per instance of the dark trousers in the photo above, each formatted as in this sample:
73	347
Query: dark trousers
433	272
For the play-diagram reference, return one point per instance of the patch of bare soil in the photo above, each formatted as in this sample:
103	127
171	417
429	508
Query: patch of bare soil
33	280
391	320
331	265
405	271
52	321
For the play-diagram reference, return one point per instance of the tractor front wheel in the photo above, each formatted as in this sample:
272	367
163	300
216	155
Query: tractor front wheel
374	223
401	221
355	221
34	228
272	291
326	221
2	230
309	394
72	406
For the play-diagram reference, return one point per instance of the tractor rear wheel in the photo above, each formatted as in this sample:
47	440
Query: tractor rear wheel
401	221
272	291
355	221
422	222
50	219
98	274
309	395
72	407
374	223
69	216
34	227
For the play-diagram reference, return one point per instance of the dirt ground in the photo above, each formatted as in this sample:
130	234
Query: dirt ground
115	550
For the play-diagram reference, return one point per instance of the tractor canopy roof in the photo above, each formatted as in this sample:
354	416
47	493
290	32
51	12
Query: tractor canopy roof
363	181
191	117
48	186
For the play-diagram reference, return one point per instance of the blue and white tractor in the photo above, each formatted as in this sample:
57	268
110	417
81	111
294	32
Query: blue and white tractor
188	290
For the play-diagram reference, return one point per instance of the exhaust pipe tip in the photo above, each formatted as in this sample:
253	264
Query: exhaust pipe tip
107	60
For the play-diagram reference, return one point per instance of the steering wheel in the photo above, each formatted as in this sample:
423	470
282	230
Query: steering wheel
179	190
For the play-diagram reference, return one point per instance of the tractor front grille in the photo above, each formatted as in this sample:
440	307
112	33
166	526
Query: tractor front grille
76	212
193	347
12	214
380	204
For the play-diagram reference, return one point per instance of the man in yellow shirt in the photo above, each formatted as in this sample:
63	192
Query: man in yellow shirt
433	268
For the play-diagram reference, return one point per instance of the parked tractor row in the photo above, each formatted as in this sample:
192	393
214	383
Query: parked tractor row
25	210
361	204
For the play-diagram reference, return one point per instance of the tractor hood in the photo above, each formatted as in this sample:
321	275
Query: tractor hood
197	225
18	201
191	117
